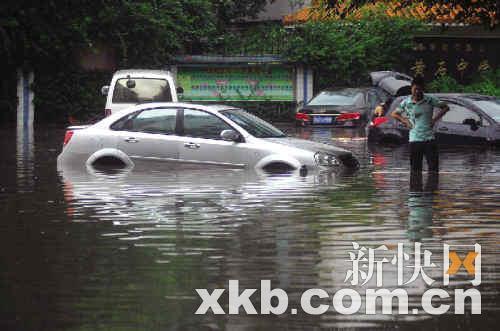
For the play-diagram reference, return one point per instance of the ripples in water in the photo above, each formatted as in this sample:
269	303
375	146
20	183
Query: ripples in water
125	250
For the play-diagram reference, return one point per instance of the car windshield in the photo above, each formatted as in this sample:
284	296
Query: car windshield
142	90
347	97
490	107
252	124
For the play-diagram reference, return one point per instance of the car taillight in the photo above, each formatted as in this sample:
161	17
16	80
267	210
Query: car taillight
301	117
348	116
107	112
67	137
378	120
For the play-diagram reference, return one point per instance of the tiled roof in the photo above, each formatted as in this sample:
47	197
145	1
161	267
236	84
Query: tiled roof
437	13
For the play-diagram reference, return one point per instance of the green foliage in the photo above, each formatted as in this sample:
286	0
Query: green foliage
259	40
444	84
72	92
145	31
48	36
487	83
228	11
345	52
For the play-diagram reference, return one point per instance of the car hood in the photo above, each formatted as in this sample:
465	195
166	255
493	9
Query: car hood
308	145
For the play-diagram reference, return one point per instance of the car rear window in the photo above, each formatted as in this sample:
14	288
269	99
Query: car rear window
141	90
155	120
338	98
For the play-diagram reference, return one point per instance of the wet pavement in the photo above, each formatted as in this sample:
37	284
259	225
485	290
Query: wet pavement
92	250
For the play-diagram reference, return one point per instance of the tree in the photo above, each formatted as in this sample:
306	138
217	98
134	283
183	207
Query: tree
48	36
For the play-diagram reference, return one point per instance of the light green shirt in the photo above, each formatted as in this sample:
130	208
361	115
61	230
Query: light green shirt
420	116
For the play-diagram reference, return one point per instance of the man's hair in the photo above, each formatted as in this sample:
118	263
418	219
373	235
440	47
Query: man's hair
418	80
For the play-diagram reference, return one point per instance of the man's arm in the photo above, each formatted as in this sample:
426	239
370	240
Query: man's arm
396	114
444	109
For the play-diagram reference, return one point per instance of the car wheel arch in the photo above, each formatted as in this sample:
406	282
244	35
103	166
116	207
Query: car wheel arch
278	161
109	154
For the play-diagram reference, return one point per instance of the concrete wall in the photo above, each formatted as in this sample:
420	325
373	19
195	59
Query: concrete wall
277	10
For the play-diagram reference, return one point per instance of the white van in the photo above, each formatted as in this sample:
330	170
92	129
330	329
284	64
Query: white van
132	87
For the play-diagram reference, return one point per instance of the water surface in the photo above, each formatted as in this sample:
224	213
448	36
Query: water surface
89	250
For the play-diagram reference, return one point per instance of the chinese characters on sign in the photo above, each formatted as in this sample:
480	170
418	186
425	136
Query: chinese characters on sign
441	70
236	83
461	58
419	68
367	264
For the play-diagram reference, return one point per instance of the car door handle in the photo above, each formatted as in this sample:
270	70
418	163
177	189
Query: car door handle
192	145
131	140
443	128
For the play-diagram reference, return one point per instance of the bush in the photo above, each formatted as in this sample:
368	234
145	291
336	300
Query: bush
444	84
69	92
344	52
487	83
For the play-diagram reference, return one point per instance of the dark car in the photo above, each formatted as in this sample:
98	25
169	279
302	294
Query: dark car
471	119
350	107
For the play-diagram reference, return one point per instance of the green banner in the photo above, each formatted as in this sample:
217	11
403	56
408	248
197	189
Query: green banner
236	83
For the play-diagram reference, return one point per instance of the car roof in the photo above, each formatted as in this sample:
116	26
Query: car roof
476	97
395	86
207	107
141	72
470	96
337	89
378	76
213	108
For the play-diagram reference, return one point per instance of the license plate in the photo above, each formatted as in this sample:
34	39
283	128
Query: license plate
322	120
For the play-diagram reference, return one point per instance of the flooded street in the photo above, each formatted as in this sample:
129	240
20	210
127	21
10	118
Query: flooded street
84	249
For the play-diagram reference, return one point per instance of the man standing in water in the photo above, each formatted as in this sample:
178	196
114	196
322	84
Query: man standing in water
416	112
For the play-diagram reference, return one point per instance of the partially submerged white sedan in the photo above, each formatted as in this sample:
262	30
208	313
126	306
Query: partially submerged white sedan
181	132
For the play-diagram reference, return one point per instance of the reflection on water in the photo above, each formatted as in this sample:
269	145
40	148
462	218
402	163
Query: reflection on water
94	250
420	205
25	157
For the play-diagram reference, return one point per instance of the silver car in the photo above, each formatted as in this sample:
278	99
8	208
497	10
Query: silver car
181	132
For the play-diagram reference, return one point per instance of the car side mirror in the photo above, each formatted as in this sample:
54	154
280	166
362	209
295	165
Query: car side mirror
179	90
105	90
230	135
474	125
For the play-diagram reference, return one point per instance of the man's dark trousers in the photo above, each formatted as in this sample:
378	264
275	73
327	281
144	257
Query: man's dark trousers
417	151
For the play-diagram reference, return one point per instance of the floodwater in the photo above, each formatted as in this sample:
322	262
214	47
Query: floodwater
84	249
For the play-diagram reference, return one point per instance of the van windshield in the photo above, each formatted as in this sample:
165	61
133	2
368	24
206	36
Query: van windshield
144	90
